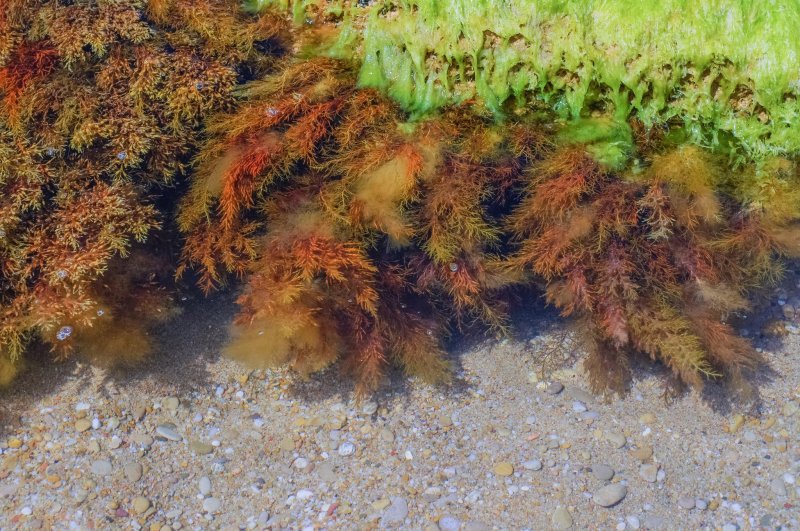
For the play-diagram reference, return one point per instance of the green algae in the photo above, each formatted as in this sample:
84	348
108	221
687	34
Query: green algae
727	70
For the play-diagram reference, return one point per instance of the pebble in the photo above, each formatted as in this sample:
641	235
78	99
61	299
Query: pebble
533	464
647	418
643	453
687	502
504	468
396	512
555	388
300	462
115	442
701	504
369	408
346	448
200	448
82	425
610	495
168	431
140	504
449	523
143	440
617	439
204	485
603	472
133	471
387	435
326	472
649	473
171	403
778	487
211	505
633	522
561	518
101	467
578	407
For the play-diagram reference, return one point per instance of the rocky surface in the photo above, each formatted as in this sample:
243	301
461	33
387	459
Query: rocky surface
193	441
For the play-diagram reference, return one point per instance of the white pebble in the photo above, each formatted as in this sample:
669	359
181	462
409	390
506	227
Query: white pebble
788	478
578	407
304	494
204	485
347	448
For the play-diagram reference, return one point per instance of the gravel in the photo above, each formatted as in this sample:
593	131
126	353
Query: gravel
222	447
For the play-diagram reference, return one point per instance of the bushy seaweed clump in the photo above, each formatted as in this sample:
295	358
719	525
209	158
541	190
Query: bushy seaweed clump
362	236
725	70
102	106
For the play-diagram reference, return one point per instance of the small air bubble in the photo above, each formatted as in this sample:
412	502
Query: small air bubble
453	267
430	332
272	111
2	233
100	313
199	85
261	333
122	155
61	274
50	152
64	333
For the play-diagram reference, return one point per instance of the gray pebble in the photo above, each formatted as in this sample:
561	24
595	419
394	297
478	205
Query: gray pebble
603	472
778	487
449	523
396	512
561	518
555	388
168	431
578	407
701	504
610	495
649	473
616	439
204	485
533	464
686	502
101	467
211	505
346	448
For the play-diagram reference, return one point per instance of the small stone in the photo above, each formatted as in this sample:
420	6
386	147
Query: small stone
304	494
555	388
142	440
326	472
578	407
643	453
82	425
168	431
504	469
686	502
346	448
14	443
396	513
139	412
633	522
369	408
204	485
387	435
381	504
736	422
445	421
701	504
171	403
200	448
778	487
533	464
211	505
133	471
616	439
115	442
140	505
647	418
730	527
300	462
561	518
101	467
449	523
603	472
610	495
649	473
